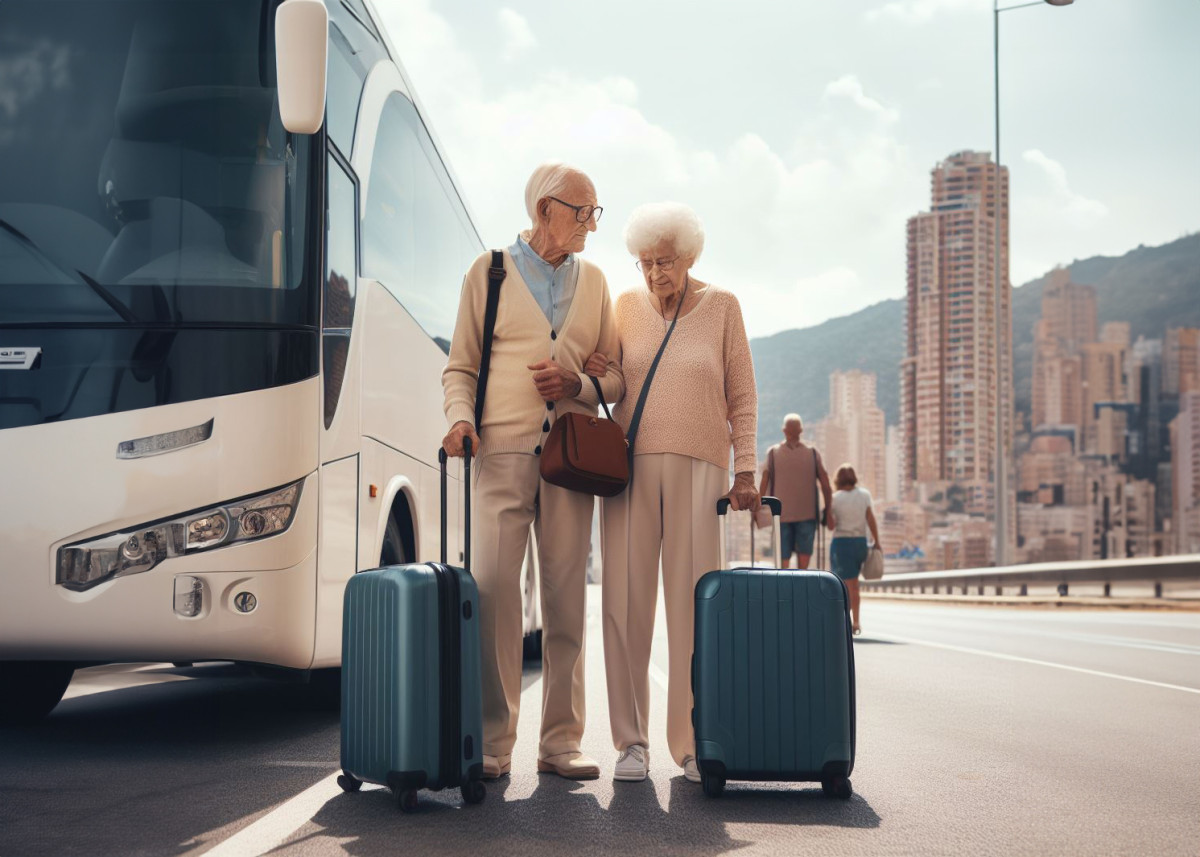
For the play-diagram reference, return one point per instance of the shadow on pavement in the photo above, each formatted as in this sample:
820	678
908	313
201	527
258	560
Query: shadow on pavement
193	756
871	641
565	818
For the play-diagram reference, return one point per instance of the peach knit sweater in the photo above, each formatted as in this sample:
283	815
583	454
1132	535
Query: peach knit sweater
703	397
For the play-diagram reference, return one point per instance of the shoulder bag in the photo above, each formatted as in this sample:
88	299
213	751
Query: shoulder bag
590	454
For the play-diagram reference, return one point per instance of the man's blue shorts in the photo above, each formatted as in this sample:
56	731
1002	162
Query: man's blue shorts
796	537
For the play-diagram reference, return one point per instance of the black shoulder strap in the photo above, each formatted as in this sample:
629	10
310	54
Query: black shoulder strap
771	471
631	435
496	275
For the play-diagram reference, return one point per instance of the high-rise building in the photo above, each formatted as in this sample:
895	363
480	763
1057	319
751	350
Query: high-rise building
1105	398
1185	473
951	385
1068	323
1181	361
892	463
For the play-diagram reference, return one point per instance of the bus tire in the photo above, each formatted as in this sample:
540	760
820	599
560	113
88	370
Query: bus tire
29	690
394	550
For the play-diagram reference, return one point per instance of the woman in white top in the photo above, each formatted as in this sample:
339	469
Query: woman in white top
853	516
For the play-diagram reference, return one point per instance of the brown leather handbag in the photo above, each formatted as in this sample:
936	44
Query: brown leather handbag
587	453
592	455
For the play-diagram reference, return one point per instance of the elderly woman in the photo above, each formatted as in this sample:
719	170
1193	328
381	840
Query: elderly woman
701	401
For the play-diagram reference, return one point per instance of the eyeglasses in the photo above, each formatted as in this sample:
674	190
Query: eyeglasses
662	264
583	213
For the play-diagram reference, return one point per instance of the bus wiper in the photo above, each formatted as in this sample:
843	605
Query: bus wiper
108	297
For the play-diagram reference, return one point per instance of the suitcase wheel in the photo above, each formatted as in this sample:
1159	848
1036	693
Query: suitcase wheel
714	786
473	791
838	787
407	800
349	783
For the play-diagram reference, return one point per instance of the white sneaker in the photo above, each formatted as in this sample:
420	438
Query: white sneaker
691	771
633	764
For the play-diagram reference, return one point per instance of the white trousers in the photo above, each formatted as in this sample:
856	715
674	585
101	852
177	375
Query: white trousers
509	495
669	512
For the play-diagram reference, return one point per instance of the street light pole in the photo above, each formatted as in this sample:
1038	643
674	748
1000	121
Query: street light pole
1000	466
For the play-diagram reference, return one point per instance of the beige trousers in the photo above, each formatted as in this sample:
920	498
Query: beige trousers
509	495
672	513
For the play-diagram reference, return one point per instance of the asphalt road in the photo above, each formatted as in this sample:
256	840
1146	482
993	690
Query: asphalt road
981	731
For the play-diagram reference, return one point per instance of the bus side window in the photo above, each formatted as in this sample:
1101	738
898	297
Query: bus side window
417	239
341	278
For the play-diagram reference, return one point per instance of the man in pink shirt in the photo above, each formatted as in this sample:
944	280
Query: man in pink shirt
793	472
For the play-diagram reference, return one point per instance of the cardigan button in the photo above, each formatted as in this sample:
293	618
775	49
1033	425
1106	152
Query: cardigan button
546	425
554	334
537	450
549	406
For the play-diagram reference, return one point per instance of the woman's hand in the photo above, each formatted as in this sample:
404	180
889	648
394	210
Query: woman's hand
743	495
597	365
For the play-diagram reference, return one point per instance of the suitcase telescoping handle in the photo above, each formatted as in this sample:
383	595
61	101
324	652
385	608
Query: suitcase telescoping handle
772	503
466	503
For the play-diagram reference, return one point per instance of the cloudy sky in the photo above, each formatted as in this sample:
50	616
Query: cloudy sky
803	132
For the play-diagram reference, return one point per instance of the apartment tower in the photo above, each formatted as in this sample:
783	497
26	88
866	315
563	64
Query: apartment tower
950	383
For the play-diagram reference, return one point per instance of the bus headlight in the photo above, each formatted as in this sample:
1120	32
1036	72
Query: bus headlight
85	564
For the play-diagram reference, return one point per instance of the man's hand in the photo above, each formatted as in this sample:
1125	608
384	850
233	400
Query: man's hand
743	494
597	365
453	441
553	382
830	523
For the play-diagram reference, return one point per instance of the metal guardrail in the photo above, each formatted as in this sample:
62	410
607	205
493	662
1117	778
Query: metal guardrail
1061	574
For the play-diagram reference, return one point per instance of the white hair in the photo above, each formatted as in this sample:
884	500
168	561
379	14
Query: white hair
793	418
549	179
673	222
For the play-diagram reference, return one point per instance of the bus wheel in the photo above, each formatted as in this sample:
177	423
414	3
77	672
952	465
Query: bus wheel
29	690
393	552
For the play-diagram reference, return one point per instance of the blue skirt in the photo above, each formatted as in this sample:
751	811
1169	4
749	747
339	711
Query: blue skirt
846	555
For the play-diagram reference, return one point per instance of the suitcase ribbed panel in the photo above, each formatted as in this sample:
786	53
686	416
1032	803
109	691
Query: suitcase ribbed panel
390	701
772	674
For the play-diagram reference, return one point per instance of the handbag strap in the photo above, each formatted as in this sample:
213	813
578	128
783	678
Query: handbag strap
496	274
631	435
600	396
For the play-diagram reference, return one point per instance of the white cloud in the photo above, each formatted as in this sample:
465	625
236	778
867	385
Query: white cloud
849	86
518	37
1077	210
789	226
918	11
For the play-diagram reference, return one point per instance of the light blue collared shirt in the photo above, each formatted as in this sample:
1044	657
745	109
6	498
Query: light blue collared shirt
553	288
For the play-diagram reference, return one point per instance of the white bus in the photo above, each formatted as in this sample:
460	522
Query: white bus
221	340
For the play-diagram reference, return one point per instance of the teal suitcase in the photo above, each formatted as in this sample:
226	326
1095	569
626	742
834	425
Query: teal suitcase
412	713
773	676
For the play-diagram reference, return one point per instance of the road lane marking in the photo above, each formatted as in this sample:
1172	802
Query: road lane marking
273	829
88	685
1018	659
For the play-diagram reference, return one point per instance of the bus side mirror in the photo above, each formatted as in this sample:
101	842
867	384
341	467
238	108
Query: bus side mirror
301	51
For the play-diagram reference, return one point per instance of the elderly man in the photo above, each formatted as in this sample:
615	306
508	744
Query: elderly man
793	473
554	321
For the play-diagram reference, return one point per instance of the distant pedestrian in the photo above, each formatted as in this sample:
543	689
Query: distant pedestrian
793	473
848	550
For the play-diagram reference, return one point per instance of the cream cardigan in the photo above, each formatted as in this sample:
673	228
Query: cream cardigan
515	417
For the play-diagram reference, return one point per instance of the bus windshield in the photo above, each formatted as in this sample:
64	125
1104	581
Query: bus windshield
146	175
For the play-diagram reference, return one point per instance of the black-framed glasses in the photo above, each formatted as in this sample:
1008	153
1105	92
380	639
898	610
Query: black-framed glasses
662	265
583	213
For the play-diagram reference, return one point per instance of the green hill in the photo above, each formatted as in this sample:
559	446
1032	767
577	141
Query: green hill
1150	287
